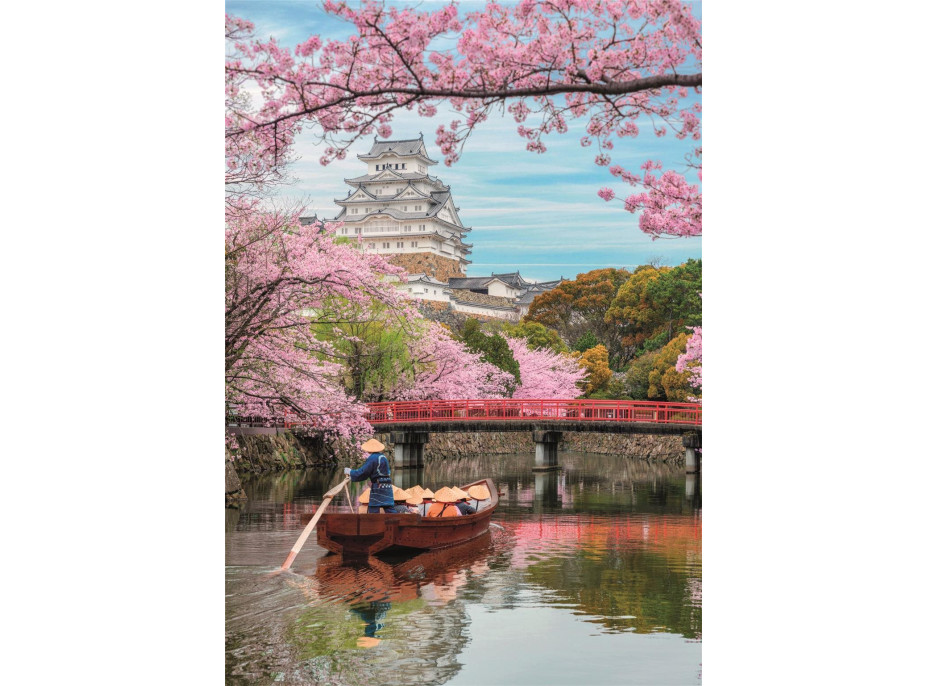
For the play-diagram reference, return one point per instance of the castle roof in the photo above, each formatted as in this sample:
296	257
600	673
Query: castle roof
414	147
466	296
469	283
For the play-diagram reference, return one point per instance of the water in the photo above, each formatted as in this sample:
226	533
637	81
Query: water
589	575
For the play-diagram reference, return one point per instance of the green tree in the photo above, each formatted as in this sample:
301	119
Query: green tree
632	313
373	350
493	349
664	381
675	297
537	335
636	377
585	342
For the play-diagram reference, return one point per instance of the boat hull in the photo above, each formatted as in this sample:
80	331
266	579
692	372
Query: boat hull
368	534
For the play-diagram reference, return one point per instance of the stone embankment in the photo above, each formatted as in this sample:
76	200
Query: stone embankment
285	450
257	454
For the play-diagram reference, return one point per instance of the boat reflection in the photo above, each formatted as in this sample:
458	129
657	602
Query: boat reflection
397	597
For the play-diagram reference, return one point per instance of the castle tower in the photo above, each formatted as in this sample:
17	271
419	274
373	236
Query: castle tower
398	209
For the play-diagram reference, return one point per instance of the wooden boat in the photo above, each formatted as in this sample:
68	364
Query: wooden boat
367	534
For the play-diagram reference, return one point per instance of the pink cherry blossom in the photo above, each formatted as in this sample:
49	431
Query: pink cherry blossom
613	66
544	373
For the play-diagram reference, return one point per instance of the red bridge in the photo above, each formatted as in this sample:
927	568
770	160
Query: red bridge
478	412
410	423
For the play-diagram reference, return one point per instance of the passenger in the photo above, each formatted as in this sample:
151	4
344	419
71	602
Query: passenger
415	494
463	506
460	501
444	504
478	493
400	498
377	469
413	502
427	499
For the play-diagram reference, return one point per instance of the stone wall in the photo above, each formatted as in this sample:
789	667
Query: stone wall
441	268
642	446
454	445
257	454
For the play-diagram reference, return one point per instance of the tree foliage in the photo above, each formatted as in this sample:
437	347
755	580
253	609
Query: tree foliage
585	342
492	349
691	360
281	277
596	363
656	304
537	335
545	373
664	381
577	307
443	368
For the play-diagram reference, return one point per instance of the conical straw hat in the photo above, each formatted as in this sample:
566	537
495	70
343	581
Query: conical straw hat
413	499
479	492
427	493
445	495
414	490
459	494
372	446
400	494
365	496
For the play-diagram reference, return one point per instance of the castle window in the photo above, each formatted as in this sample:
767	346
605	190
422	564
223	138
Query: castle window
421	227
418	208
414	244
400	244
354	210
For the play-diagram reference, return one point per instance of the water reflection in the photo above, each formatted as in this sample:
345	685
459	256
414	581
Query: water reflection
612	544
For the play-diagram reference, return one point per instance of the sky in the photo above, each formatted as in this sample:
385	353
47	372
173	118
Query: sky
535	213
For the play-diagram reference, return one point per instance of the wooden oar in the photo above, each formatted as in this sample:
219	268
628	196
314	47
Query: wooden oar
348	496
326	499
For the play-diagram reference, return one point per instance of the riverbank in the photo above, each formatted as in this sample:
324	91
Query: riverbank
268	452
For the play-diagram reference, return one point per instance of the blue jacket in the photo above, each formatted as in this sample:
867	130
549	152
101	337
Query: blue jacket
377	469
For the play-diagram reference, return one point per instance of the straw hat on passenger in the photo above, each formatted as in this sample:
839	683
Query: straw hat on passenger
414	490
479	492
413	499
400	494
445	495
365	496
427	494
459	494
372	446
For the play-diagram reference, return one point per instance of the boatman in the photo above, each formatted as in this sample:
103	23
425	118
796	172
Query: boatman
377	469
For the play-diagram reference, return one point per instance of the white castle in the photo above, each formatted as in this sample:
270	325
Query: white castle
398	209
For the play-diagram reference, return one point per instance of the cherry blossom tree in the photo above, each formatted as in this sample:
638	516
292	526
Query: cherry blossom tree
282	277
691	359
545	373
444	369
608	65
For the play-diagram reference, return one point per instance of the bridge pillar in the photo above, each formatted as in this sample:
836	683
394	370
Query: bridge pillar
545	450
408	448
693	445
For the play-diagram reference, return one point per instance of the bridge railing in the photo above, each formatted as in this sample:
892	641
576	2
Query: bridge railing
509	410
